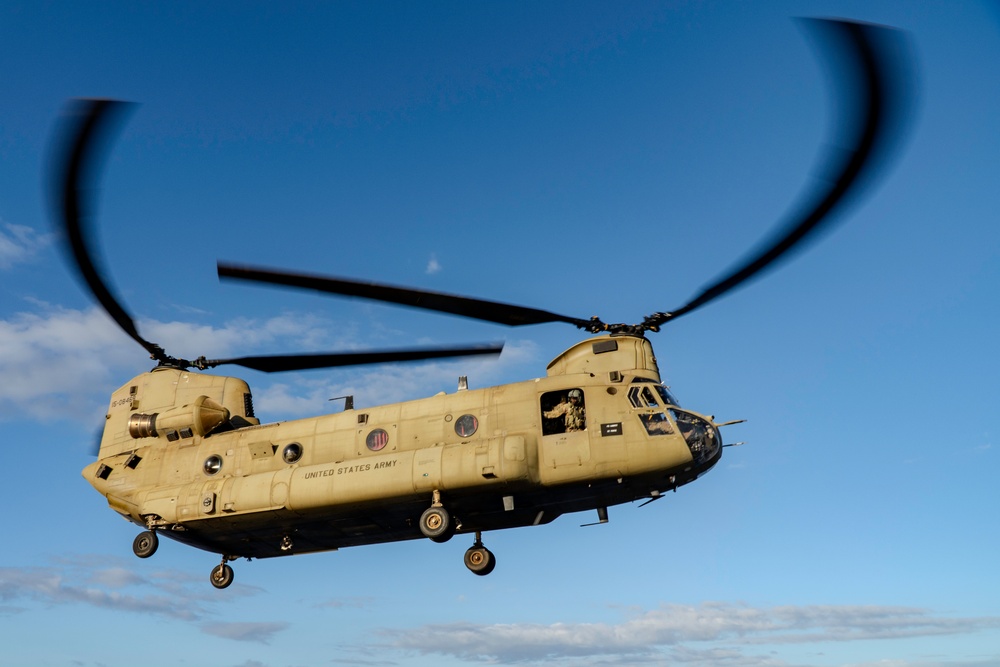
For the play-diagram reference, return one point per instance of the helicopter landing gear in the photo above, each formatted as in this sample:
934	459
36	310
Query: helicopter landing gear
479	559
436	523
145	543
222	574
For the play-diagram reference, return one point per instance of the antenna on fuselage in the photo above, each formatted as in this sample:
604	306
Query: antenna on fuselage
348	401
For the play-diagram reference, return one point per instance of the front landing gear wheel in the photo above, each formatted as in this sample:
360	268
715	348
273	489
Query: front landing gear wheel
222	575
436	524
145	543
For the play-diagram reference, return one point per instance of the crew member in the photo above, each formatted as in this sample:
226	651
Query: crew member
572	410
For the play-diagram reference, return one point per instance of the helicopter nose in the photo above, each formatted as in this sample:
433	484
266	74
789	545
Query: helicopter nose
700	434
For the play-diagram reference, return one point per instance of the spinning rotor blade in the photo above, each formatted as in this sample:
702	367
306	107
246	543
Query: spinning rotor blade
298	362
479	309
89	122
873	77
870	76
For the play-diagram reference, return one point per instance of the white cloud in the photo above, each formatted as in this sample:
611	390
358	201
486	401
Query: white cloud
668	633
19	243
64	363
61	363
56	364
243	335
433	266
391	383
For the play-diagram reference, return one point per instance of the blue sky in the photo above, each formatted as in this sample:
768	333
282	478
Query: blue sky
587	158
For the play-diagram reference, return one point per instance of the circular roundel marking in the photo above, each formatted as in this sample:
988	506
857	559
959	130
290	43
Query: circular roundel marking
213	464
466	425
292	452
377	439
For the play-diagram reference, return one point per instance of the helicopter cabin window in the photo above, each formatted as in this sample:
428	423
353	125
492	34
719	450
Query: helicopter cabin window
377	440
466	425
292	452
563	411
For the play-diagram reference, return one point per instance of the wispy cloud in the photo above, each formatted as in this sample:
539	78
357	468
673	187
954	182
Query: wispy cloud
672	633
344	603
103	582
19	243
244	632
51	586
433	266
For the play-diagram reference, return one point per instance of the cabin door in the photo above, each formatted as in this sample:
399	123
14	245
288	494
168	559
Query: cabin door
565	441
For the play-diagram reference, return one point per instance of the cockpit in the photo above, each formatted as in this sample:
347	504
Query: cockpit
658	411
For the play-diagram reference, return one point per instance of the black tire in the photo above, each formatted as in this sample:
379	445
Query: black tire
145	543
222	576
436	524
480	560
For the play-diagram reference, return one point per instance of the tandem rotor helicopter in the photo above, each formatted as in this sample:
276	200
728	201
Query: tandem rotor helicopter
183	454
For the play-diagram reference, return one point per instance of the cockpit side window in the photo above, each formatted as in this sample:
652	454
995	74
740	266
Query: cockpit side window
656	423
563	411
648	396
635	397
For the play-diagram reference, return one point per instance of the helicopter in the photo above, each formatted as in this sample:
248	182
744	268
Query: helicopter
183	454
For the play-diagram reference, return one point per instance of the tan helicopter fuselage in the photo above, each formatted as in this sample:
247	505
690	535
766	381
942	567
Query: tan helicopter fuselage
183	454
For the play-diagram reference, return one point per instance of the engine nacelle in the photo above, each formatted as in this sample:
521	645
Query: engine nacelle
185	421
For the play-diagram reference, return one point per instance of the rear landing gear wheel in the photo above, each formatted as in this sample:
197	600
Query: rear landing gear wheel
479	559
222	575
436	524
145	543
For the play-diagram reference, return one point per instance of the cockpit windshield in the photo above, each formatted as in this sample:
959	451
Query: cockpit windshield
701	435
668	397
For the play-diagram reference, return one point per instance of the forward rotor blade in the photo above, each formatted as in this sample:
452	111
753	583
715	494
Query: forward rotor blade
299	362
872	75
479	309
87	126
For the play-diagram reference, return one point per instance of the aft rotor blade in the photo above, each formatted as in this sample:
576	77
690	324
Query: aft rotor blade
88	125
299	362
872	76
479	309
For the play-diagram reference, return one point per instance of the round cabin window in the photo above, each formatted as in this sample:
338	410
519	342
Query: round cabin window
213	464
466	425
377	439
292	452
